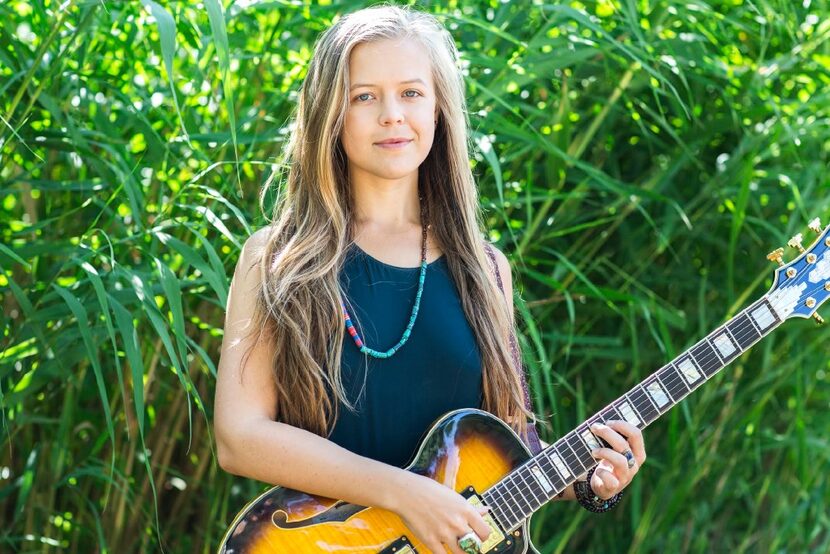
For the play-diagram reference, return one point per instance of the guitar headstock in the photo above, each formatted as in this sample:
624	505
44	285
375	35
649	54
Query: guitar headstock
802	285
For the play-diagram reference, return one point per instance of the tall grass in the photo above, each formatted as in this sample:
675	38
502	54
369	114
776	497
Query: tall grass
636	160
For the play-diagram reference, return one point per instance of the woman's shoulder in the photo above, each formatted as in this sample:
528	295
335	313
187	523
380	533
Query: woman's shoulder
502	263
256	242
251	254
254	247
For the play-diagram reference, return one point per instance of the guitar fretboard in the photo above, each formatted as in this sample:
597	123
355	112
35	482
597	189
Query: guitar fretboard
525	489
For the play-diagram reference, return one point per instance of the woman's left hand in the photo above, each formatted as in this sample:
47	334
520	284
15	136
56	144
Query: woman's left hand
614	472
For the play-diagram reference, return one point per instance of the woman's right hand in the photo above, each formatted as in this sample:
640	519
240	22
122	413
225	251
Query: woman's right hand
436	514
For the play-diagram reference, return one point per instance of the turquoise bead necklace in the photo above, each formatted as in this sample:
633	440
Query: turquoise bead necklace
422	277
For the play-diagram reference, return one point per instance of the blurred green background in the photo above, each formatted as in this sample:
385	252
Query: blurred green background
636	160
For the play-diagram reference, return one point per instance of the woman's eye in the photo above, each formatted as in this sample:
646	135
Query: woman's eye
360	97
415	91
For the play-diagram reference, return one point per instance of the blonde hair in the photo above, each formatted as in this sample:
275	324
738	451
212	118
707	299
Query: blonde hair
299	299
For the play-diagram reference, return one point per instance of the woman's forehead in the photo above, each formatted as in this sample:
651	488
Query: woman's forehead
389	63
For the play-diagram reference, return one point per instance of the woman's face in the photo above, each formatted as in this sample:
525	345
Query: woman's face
391	97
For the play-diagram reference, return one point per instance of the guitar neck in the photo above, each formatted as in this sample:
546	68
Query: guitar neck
525	489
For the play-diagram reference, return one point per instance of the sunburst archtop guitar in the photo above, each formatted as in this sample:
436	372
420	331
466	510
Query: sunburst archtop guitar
479	456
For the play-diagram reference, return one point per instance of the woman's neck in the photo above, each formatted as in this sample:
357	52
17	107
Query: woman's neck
386	205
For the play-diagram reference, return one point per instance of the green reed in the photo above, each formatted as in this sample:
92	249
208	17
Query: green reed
636	161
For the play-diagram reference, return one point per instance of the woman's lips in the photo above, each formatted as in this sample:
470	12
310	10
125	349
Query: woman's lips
393	145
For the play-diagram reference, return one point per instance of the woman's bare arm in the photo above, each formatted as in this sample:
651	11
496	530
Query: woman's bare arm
250	443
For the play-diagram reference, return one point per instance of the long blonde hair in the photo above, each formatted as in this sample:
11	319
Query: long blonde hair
299	299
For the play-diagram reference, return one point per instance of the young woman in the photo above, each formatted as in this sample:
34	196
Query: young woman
368	308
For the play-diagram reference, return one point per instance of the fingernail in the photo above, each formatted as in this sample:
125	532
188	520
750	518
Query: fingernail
594	451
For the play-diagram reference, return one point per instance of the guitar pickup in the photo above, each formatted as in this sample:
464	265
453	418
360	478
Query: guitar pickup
496	540
400	546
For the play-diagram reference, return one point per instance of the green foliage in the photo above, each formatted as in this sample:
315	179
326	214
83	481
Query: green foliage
636	161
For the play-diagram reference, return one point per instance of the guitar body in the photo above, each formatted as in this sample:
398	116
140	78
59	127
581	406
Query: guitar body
463	449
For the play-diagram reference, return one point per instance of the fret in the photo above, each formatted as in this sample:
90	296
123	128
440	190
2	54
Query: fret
583	453
596	418
496	504
569	457
628	414
763	315
636	409
672	383
752	322
502	518
556	459
610	413
689	371
547	465
506	504
532	485
519	502
705	357
550	471
510	503
526	491
590	440
647	405
657	394
744	331
535	471
724	345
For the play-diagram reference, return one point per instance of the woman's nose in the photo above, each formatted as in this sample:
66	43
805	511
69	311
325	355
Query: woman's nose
391	112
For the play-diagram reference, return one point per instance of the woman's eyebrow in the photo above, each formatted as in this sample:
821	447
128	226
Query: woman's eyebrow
358	85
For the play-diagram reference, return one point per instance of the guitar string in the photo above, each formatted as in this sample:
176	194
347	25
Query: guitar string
568	440
737	337
738	334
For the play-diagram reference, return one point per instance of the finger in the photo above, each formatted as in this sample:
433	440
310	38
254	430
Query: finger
455	546
452	546
613	457
479	525
607	485
437	547
634	437
482	529
613	438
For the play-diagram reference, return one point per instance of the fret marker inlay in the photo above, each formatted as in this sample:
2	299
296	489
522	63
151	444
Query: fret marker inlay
590	439
763	317
628	413
657	394
540	477
689	371
724	344
559	465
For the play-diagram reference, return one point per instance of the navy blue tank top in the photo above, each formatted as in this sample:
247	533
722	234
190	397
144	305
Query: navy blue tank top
437	370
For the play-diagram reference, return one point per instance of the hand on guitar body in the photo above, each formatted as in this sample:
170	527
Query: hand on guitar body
436	514
613	473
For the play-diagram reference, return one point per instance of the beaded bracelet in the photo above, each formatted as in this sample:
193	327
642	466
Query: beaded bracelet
589	500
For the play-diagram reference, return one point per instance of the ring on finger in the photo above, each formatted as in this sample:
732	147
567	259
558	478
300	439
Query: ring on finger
629	456
470	543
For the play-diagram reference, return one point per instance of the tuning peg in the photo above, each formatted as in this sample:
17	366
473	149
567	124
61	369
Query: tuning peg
795	242
775	256
818	318
815	225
